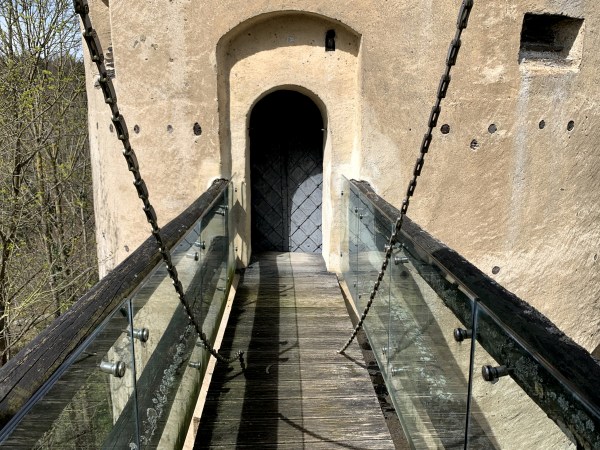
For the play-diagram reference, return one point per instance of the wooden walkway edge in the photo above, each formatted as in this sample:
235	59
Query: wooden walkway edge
296	392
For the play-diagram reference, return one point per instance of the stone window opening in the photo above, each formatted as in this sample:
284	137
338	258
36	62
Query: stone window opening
551	39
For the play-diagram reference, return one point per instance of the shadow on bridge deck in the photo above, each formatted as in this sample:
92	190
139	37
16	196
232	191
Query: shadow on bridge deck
297	392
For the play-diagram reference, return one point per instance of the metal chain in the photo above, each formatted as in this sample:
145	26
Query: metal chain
108	90
461	24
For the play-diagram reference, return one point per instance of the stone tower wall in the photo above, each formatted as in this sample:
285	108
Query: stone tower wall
498	188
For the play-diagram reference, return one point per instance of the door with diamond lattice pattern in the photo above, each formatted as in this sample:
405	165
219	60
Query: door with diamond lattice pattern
286	160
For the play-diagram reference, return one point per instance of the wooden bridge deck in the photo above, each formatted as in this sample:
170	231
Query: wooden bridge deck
297	392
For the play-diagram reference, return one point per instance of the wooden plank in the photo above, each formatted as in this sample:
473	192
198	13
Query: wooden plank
297	390
272	409
296	291
296	371
293	303
336	312
351	409
294	332
353	444
285	430
307	347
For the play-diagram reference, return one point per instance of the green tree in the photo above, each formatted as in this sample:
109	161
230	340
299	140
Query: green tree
47	256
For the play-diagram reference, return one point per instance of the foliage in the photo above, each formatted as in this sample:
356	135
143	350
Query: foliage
47	256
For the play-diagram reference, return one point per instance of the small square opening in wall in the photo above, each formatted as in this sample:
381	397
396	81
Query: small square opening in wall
551	39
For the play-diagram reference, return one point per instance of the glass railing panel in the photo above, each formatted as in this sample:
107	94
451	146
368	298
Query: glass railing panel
369	256
91	403
216	274
171	362
374	233
354	245
427	369
350	240
503	416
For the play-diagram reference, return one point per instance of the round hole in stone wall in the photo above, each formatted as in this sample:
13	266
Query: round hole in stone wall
474	144
169	128
445	129
197	129
492	128
495	270
542	124
136	129
111	128
570	125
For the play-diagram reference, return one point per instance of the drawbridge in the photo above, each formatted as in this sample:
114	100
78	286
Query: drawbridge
441	356
449	359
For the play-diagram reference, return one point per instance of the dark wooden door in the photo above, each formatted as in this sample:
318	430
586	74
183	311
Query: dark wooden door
286	159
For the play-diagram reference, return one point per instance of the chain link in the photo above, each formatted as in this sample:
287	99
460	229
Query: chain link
461	24
108	90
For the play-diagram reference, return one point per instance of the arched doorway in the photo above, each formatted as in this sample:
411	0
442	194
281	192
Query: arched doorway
286	160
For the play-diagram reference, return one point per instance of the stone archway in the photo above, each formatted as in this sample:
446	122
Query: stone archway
288	50
286	173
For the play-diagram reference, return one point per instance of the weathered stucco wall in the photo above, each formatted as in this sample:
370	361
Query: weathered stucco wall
515	196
